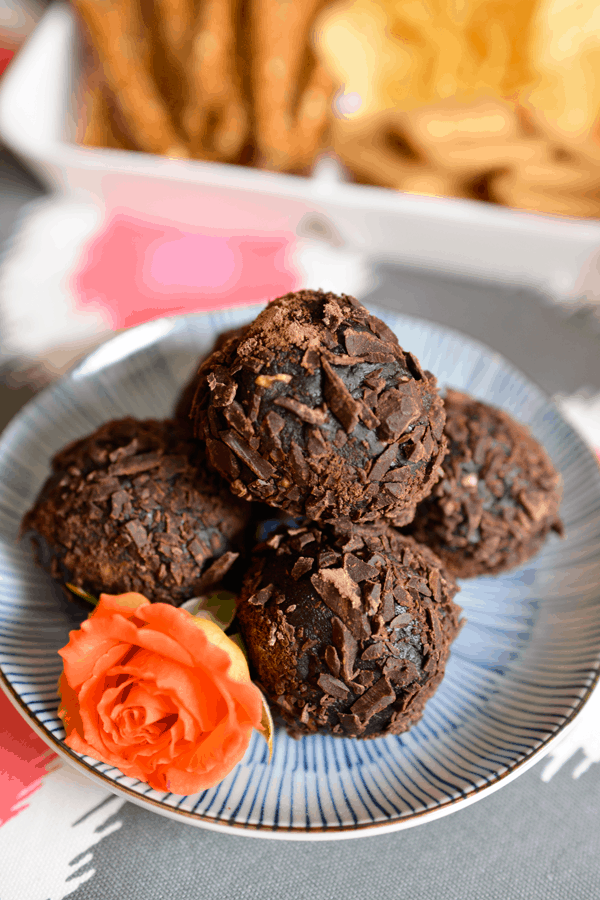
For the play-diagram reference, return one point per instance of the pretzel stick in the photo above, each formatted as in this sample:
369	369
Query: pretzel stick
215	117
312	118
176	19
92	127
124	50
103	129
286	82
172	23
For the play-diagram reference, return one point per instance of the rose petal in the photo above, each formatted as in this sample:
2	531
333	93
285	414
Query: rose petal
203	639
105	707
140	635
149	705
163	696
186	686
106	660
82	651
153	706
198	710
164	645
127	605
213	769
97	635
68	709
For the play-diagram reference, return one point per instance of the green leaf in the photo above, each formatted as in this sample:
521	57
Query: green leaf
81	593
218	607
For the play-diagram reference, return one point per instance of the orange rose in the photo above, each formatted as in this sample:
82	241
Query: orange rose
162	695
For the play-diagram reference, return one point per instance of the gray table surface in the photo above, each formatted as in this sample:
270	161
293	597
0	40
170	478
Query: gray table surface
532	839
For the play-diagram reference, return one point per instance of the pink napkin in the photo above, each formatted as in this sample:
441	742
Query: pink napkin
136	270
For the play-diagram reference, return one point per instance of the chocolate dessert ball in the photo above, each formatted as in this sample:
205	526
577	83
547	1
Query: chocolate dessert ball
316	409
128	509
183	403
348	628
499	495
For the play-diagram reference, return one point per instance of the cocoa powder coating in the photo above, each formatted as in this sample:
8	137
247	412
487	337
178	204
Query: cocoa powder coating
317	410
348	627
499	496
128	509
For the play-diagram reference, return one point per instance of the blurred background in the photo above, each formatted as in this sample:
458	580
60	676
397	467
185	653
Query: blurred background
442	158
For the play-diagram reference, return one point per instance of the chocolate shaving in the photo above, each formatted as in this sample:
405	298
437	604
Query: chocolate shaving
347	646
222	387
435	585
104	488
120	504
397	410
387	605
332	660
415	366
372	597
337	582
374	700
327	558
357	569
137	531
374	651
401	595
120	453
311	361
263	596
536	504
299	464
316	444
235	416
133	465
339	399
340	359
222	459
333	686
361	343
302	565
250	457
383	462
351	724
302	540
199	551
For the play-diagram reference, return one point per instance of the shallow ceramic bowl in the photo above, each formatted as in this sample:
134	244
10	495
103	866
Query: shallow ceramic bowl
519	673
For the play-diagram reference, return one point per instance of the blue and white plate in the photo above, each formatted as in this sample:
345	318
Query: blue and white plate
519	673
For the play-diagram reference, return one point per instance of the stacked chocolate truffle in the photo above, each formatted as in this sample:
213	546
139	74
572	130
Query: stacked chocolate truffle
130	508
316	410
498	498
348	627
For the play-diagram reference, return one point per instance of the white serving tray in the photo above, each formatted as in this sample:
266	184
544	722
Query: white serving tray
557	256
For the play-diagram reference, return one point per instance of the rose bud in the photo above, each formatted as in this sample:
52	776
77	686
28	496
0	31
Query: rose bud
158	693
